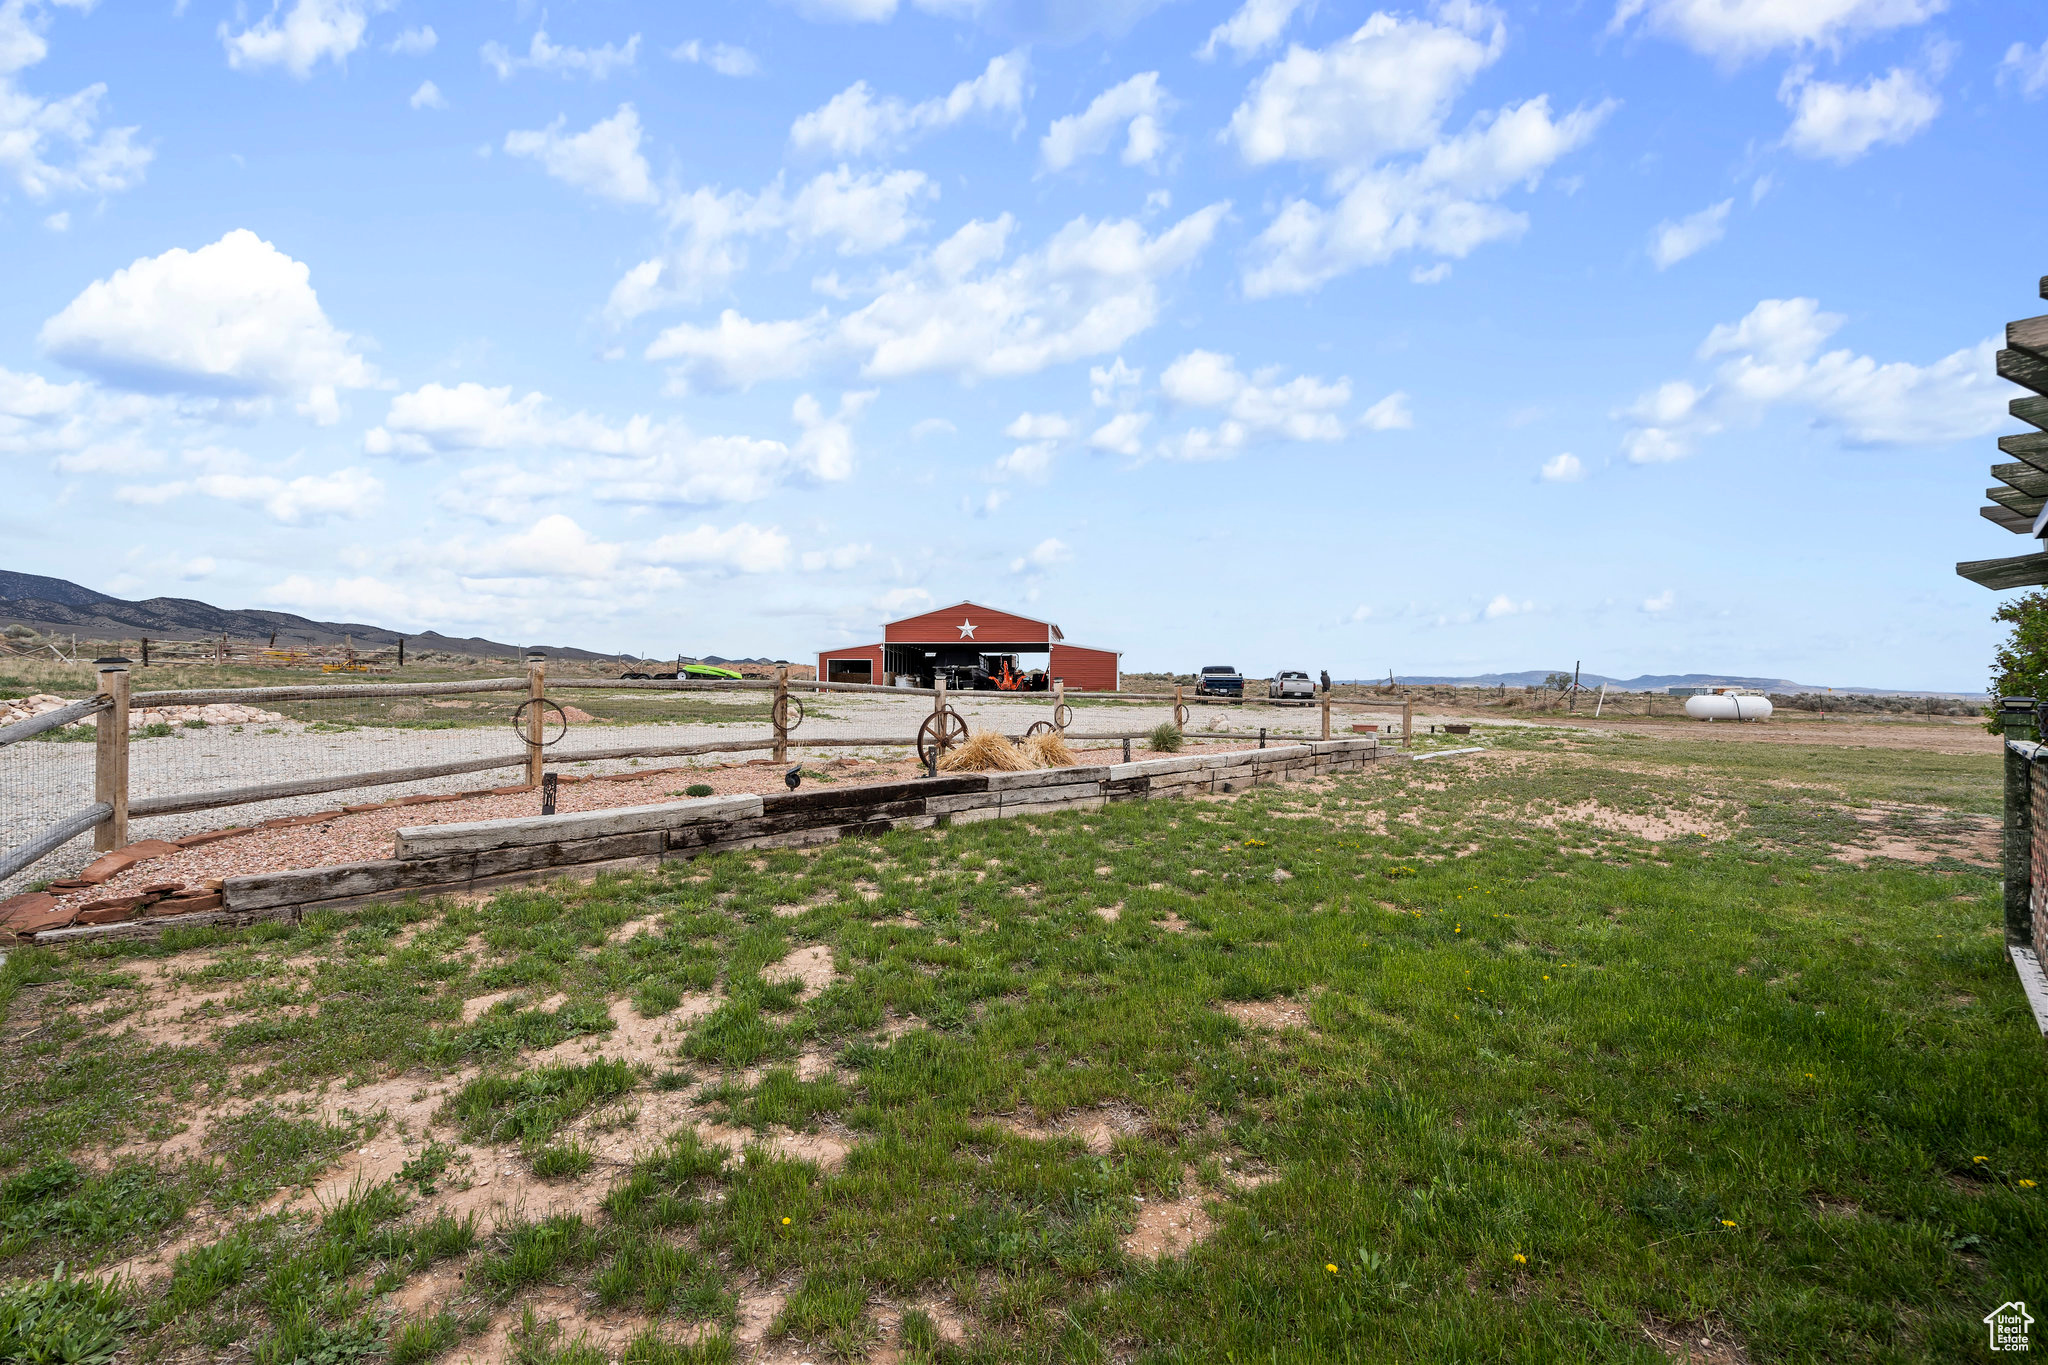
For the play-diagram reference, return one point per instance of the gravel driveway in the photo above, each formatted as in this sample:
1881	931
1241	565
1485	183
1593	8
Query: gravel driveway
42	782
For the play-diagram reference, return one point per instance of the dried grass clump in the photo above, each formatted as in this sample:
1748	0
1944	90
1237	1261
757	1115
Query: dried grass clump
1048	749
985	752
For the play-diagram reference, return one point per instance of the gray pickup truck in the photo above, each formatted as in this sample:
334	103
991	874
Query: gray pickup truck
1219	680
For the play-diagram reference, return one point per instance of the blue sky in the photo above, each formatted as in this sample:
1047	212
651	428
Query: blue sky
1437	339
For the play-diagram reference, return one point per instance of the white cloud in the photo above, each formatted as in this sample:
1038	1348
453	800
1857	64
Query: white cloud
1842	122
899	601
604	159
1043	555
1564	468
1442	203
1039	426
236	319
1256	26
313	30
1673	241
961	307
59	221
55	146
2025	67
855	122
1372	107
1503	605
86	428
428	96
543	54
1663	601
857	213
741	548
1134	108
640	460
932	426
1032	462
1122	434
724	58
1432	274
860	213
1255	407
738	352
1735	30
1773	359
1114	384
838	559
553	547
350	493
1090	289
1386	89
1389	414
414	42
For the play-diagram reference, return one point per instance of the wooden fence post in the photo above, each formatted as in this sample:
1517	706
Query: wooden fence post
1326	715
536	726
938	693
1177	709
1059	699
779	714
110	756
1407	722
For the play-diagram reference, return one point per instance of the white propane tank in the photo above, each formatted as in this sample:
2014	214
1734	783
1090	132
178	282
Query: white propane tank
1728	706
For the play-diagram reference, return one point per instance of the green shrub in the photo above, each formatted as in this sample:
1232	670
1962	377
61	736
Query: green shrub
1165	738
421	1339
698	789
533	1104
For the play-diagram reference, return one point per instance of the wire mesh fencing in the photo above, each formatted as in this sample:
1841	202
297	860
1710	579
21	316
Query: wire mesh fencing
45	779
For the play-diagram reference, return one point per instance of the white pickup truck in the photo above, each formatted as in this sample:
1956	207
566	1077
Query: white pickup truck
1291	685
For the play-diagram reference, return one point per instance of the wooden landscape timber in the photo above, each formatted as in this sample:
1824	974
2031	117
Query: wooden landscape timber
476	855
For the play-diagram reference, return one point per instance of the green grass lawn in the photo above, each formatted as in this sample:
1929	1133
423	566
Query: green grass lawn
1563	1093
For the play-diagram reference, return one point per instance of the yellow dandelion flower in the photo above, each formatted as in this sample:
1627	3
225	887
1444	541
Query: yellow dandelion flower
1727	1222
1980	1160
2026	1184
785	1222
1327	1266
1520	1259
1546	978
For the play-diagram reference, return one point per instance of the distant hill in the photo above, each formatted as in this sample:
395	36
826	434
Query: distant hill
55	604
1655	682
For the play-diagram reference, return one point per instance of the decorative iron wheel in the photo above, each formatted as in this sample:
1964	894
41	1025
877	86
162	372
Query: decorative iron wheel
941	731
559	723
1039	727
789	713
1180	717
1062	716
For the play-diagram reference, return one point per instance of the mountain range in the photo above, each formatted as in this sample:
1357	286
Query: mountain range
56	604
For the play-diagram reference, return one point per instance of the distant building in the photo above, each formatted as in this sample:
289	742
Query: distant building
970	639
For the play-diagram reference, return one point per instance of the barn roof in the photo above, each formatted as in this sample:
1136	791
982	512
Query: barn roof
1053	630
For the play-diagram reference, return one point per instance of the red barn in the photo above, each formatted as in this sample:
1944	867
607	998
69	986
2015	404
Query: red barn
967	640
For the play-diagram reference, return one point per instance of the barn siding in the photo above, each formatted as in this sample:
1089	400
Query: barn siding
990	627
1085	670
871	653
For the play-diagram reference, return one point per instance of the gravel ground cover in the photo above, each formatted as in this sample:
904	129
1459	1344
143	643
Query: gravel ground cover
366	835
43	782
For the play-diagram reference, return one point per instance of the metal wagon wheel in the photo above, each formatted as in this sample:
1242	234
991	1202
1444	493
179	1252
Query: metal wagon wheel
1180	717
783	719
1040	727
1062	716
941	731
560	724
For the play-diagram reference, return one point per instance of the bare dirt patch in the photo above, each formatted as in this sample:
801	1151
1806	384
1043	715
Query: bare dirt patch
1097	1128
1168	1227
1697	1343
1923	834
1657	828
812	966
1268	1014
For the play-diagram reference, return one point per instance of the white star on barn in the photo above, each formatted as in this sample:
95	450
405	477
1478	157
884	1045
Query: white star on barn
967	630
